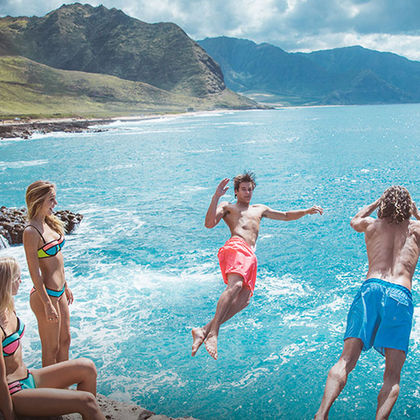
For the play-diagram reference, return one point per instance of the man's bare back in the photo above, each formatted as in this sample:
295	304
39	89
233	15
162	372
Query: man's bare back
393	249
382	311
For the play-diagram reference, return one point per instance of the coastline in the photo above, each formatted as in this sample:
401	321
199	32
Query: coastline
26	127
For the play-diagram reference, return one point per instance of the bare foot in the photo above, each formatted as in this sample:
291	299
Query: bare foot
211	345
198	338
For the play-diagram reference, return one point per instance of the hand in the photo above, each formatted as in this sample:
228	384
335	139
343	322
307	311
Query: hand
69	295
51	313
222	188
315	209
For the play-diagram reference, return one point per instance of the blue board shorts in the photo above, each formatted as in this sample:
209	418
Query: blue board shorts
381	315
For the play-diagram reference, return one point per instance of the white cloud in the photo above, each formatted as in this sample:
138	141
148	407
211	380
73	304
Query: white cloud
385	25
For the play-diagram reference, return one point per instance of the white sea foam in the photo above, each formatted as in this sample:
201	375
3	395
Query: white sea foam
286	285
206	151
250	377
192	189
22	163
241	123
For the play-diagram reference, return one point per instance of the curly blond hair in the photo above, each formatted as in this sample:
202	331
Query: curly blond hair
396	204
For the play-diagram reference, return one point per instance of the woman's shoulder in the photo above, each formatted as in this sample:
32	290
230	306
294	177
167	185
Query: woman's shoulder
31	233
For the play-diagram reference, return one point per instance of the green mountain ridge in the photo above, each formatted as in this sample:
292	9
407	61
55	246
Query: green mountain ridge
351	75
30	89
127	66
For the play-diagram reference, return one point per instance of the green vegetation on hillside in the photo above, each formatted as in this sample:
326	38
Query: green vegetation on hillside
107	41
30	89
351	75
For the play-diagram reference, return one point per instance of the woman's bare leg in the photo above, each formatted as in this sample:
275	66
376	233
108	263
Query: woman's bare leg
64	339
50	396
49	332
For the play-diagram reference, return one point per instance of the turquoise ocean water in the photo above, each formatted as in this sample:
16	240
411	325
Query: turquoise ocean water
144	271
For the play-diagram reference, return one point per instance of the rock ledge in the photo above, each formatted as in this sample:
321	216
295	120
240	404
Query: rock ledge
13	222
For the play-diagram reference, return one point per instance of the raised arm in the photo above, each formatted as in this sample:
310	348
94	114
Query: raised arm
361	220
216	212
6	406
415	212
291	214
30	243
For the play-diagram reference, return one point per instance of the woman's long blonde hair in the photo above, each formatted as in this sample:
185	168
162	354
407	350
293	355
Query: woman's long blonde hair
36	194
9	270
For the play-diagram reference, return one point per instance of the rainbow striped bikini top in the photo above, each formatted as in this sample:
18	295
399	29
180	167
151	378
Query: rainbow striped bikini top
49	249
11	342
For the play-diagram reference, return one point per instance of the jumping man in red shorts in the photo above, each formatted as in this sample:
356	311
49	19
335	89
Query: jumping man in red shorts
237	259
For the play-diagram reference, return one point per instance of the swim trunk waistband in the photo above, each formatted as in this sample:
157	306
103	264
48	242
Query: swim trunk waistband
389	284
242	241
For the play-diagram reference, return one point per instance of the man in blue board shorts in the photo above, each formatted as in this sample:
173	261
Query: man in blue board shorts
382	311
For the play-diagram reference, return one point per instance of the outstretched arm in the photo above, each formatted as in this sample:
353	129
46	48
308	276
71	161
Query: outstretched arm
361	220
215	212
292	214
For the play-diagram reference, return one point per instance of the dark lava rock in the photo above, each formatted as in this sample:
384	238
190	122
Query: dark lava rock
13	222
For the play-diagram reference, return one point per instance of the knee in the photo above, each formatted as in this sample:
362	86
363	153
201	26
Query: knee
65	340
235	288
341	369
88	367
348	363
89	403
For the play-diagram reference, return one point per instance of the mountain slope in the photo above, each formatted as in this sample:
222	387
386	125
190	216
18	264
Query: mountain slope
28	88
352	75
101	40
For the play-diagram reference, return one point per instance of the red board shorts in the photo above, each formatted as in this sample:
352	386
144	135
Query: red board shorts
236	256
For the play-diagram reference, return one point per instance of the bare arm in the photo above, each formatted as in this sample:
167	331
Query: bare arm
215	212
292	214
30	243
361	220
415	211
6	406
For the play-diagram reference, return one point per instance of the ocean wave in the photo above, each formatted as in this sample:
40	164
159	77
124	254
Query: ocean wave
22	164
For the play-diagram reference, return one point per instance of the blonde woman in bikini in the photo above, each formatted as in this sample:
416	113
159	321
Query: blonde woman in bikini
43	239
38	392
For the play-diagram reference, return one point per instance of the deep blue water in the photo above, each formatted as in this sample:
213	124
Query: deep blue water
144	271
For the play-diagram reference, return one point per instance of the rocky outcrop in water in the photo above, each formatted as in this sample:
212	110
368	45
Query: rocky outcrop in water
13	222
26	129
112	410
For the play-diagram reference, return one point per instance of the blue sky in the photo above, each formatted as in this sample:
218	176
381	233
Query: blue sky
294	25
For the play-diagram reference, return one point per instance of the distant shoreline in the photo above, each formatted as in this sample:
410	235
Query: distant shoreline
26	127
